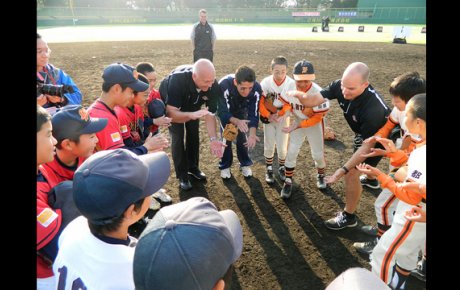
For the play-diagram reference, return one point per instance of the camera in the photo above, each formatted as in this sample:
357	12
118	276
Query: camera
53	90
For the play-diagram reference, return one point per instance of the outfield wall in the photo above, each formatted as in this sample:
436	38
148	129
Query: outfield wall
59	16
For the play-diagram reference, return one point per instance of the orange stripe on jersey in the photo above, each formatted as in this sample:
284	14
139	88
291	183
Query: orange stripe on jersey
313	120
386	129
283	100
408	196
286	108
404	272
397	242
393	121
280	83
398	158
385	207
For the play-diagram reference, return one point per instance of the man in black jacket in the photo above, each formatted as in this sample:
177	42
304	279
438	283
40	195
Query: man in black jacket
203	38
184	91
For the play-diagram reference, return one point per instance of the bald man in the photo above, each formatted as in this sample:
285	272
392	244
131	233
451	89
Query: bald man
184	91
365	112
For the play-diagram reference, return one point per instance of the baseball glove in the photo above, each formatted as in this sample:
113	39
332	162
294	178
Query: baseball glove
230	132
269	99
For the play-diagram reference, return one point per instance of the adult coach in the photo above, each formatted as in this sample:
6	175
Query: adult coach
365	112
203	38
185	90
239	105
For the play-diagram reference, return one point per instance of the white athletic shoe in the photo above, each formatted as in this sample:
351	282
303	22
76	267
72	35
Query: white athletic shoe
246	170
162	196
225	173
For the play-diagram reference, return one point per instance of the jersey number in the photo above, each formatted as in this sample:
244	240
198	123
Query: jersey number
77	284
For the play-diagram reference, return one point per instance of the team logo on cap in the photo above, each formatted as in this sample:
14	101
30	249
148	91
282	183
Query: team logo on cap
135	74
304	69
83	114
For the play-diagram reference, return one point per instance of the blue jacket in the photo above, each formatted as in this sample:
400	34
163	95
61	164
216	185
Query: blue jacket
61	78
231	104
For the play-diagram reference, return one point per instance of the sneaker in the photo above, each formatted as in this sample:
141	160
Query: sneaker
282	173
320	183
287	189
154	204
269	175
246	170
225	173
341	221
420	271
369	230
162	196
366	247
371	183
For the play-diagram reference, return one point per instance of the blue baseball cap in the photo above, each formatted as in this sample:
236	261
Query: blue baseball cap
188	245
73	120
304	71
156	108
119	73
109	181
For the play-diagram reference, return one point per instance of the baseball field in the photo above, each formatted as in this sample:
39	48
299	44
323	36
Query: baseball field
286	245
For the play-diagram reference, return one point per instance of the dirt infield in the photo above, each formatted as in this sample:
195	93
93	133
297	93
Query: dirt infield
286	245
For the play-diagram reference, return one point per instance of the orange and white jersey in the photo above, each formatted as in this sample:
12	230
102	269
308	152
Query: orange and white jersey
301	111
397	117
269	85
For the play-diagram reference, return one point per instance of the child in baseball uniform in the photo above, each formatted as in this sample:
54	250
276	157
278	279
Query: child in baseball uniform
75	132
48	219
396	253
306	122
152	124
402	89
272	109
112	189
131	117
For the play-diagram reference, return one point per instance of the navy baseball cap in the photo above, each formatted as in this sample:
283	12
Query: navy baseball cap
304	71
156	108
119	73
188	245
109	181
73	120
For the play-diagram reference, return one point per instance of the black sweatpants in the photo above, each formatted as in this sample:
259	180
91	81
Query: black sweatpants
185	153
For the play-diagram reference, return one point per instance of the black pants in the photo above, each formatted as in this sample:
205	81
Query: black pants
197	54
186	155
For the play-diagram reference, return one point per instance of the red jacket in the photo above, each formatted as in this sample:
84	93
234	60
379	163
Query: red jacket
48	221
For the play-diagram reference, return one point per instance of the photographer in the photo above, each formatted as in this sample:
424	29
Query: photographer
54	87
